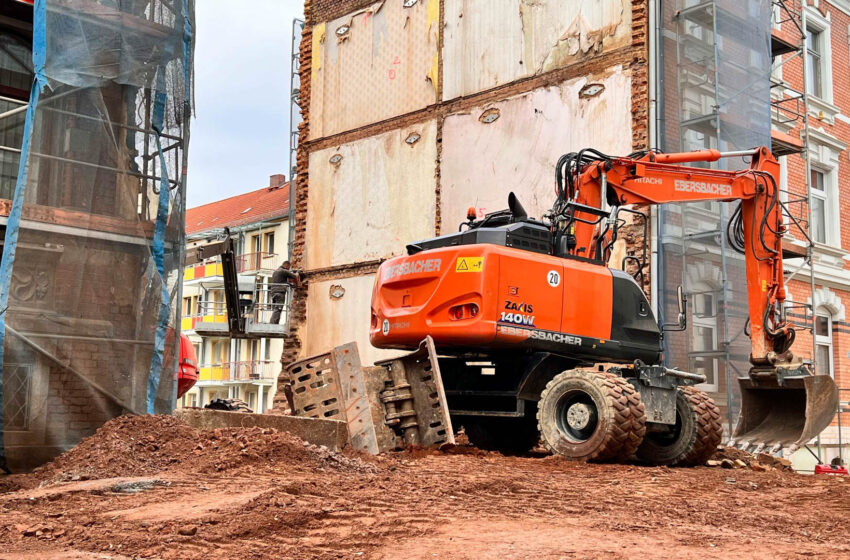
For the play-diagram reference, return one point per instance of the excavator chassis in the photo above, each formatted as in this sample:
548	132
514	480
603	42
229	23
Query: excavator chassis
507	403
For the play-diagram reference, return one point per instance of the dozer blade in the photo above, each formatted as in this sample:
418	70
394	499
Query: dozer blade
787	415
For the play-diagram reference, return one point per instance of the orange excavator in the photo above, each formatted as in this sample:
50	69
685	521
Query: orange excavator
541	334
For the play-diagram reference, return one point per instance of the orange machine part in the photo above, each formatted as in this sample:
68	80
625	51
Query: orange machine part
484	296
655	179
187	366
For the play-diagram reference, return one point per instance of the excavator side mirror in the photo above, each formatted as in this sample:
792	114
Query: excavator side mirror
682	320
682	300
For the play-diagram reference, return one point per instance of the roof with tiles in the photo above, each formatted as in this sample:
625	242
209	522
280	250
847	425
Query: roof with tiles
268	203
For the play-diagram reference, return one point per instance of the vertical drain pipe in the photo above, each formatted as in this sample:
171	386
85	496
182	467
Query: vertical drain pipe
654	35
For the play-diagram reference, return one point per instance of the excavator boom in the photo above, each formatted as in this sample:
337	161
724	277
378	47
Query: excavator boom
784	402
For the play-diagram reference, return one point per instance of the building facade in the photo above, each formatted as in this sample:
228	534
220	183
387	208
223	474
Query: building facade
824	138
480	98
245	369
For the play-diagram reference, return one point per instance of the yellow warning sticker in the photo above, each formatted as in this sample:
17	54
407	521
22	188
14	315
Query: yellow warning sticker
469	264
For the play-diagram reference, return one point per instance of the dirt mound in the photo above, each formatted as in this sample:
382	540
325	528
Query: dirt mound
144	445
10	483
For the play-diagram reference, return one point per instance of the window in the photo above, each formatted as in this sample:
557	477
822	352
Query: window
190	400
220	352
190	306
17	397
15	79
818	226
216	305
267	352
269	242
823	344
252	401
814	60
704	338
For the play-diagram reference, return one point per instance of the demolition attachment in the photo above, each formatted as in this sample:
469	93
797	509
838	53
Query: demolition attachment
391	405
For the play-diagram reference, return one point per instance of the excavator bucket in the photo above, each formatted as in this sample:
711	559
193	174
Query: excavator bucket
787	415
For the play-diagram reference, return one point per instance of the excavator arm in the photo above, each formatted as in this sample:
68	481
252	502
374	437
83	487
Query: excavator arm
783	402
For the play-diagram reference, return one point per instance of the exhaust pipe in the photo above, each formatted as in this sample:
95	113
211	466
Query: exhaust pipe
783	411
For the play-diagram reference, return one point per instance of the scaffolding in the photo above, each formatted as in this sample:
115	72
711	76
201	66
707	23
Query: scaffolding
715	90
721	62
294	121
790	108
93	170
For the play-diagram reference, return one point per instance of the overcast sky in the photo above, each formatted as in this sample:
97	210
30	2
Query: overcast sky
240	134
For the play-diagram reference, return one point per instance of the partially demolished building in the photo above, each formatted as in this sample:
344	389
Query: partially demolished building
96	101
415	110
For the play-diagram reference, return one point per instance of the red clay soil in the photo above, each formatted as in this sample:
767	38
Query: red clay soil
151	487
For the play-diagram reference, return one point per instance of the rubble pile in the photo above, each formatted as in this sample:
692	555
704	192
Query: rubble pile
733	458
144	445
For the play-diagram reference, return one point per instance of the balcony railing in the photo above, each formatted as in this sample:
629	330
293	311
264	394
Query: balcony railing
247	370
248	263
257	262
258	308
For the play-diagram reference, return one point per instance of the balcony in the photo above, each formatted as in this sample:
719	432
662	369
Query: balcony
251	263
248	264
248	371
210	318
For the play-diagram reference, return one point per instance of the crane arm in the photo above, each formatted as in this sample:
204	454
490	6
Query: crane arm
595	181
224	249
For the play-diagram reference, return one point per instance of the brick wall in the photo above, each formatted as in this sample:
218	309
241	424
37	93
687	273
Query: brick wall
292	344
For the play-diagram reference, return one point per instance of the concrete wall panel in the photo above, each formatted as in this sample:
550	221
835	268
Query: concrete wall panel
368	199
372	65
339	312
482	162
487	44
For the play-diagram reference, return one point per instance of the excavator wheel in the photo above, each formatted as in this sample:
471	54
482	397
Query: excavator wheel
692	440
511	436
230	405
587	415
